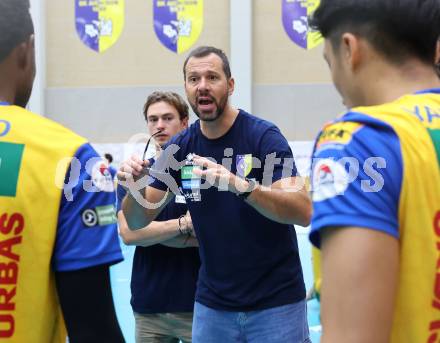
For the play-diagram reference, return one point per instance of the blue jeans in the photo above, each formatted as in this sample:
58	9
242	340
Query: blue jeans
282	324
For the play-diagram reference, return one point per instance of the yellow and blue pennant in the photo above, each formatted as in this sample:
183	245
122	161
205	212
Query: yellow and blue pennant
99	23
178	23
294	17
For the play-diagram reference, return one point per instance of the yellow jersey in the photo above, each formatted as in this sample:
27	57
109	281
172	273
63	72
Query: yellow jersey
45	221
379	167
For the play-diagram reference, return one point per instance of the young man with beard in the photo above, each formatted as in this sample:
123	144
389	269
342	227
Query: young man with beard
56	244
379	229
164	276
250	286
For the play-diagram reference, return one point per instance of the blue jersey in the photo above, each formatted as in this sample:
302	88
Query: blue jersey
377	168
87	233
249	262
164	279
364	189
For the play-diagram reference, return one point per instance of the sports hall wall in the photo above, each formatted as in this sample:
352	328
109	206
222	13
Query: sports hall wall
100	95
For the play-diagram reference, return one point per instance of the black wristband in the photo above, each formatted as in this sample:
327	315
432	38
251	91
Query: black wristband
252	185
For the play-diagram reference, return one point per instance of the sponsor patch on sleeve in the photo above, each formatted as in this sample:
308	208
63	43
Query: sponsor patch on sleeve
99	216
329	179
338	133
101	177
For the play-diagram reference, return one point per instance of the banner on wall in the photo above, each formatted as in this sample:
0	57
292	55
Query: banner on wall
178	23
294	16
99	23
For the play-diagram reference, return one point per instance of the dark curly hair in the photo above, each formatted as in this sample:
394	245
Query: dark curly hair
15	25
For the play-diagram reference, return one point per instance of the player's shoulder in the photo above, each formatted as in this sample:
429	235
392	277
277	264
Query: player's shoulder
353	127
40	133
48	127
40	125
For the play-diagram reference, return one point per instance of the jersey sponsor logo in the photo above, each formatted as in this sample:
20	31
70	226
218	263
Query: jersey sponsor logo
106	214
5	127
243	165
338	133
10	162
11	228
89	218
101	177
178	23
294	16
99	23
99	216
329	179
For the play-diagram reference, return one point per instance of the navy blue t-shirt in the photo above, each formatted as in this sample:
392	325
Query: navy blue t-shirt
249	262
163	279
